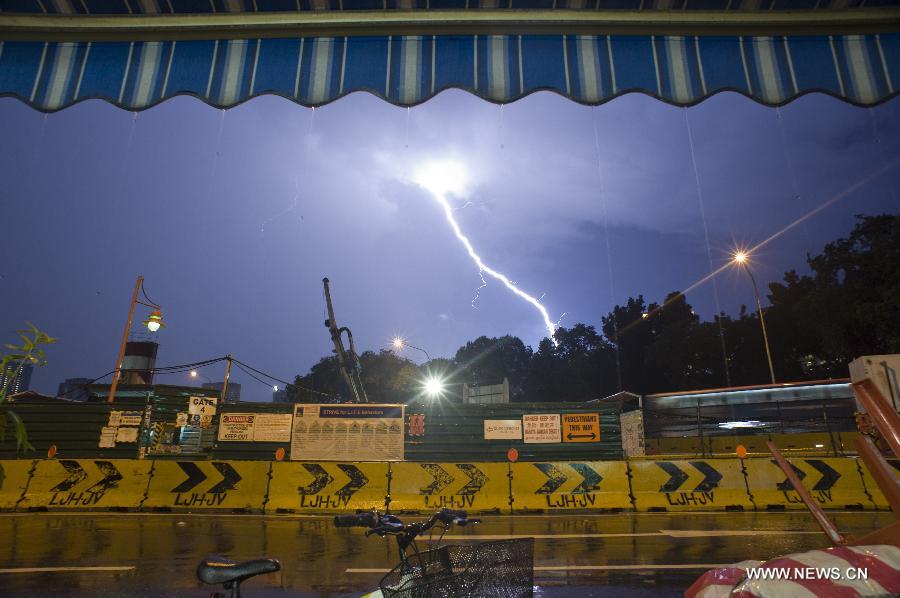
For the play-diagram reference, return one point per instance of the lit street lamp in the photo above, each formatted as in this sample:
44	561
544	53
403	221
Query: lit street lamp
194	374
399	343
434	387
741	259
153	323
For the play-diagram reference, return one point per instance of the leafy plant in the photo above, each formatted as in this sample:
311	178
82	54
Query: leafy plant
11	365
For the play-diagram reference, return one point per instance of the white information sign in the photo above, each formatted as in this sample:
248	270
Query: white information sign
236	427
124	418
202	405
272	427
502	429
127	434
107	437
347	433
541	428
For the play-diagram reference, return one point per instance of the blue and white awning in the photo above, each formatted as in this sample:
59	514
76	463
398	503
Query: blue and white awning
407	70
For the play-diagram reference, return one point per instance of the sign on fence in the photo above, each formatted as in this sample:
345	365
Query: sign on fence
502	429
542	428
255	427
347	433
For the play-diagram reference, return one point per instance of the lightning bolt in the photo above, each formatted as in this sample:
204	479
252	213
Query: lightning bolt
484	268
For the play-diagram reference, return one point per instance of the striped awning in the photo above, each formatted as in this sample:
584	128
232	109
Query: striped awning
407	70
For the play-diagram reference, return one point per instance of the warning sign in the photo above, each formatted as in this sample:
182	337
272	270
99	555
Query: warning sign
541	428
236	427
581	427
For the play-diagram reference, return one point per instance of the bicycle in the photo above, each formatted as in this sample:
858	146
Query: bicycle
499	568
218	570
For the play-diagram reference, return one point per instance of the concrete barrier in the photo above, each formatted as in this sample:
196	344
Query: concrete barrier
835	483
327	487
689	485
474	487
208	485
14	476
76	484
570	486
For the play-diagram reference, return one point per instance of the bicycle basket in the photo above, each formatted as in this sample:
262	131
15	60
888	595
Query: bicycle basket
504	568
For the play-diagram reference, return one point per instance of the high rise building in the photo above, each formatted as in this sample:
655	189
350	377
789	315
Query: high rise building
19	383
74	389
232	395
280	395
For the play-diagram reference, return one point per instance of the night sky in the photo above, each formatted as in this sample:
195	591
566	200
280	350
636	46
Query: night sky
234	217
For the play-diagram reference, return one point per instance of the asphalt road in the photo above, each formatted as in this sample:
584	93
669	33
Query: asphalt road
629	554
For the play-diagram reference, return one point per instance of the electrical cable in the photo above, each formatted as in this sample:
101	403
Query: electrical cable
241	363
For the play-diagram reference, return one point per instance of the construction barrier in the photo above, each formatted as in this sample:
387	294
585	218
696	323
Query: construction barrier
429	486
565	486
835	483
87	484
872	486
327	487
201	485
697	485
14	476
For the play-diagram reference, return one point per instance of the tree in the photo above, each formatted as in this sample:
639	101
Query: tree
386	378
489	360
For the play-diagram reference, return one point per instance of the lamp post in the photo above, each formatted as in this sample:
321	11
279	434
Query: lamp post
195	373
399	343
153	323
740	258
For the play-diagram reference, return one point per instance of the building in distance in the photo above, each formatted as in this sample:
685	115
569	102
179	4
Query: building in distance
74	389
232	395
16	384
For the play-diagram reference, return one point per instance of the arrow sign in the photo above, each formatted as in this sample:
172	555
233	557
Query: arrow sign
322	479
555	478
442	479
591	481
477	479
711	477
357	480
76	475
786	484
571	436
676	476
111	479
194	474
230	477
829	475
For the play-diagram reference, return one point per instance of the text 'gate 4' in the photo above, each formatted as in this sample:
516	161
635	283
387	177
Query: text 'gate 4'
702	485
327	487
601	485
432	486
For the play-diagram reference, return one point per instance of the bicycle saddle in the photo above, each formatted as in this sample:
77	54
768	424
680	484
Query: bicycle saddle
219	570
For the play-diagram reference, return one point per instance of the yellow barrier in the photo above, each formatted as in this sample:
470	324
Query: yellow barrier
872	486
87	484
200	485
14	476
327	487
696	485
567	486
429	486
835	483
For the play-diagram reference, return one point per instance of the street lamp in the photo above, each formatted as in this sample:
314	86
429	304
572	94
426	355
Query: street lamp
195	373
399	343
153	323
434	387
742	259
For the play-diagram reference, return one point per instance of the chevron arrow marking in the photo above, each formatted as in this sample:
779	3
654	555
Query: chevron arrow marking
77	474
111	479
195	476
676	476
555	478
230	477
786	485
711	477
442	479
357	480
322	479
591	481
477	479
829	475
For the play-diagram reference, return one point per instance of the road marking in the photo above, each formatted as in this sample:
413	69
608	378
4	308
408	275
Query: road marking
664	532
63	569
647	567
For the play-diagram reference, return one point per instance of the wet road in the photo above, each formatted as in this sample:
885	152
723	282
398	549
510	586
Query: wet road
586	555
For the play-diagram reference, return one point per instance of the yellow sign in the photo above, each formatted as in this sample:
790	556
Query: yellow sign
581	427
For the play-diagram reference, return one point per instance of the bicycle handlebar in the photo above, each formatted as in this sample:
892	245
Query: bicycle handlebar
369	519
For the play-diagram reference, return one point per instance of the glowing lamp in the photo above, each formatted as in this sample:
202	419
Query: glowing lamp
434	387
740	257
155	321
